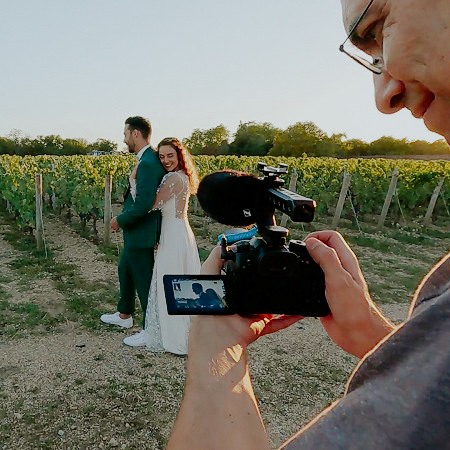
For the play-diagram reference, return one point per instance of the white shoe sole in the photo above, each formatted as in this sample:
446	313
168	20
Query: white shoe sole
134	345
116	324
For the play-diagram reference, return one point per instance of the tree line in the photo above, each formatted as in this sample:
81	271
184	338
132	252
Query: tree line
263	139
17	144
250	139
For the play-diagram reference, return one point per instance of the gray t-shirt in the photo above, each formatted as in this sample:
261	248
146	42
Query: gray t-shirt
399	395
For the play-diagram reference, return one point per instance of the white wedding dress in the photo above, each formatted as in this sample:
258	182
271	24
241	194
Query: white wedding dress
177	253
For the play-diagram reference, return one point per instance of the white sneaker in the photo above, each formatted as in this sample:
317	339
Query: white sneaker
137	340
114	319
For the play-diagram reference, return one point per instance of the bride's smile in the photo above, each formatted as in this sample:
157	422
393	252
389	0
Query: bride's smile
168	157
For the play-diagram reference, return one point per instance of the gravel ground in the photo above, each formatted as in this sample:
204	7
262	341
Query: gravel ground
81	389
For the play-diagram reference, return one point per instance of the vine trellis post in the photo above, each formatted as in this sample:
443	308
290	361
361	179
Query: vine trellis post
433	200
388	199
107	209
39	222
340	204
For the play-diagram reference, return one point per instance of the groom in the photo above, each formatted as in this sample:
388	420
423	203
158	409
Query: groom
140	227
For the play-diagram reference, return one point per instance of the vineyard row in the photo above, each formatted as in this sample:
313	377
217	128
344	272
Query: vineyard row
77	183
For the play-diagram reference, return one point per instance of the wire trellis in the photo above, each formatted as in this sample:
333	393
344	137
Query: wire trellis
445	203
43	234
355	214
400	208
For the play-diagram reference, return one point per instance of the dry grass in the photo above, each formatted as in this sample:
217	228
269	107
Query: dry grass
68	382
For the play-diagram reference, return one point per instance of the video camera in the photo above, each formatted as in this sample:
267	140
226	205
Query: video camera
264	274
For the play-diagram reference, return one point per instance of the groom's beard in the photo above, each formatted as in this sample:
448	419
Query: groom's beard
131	145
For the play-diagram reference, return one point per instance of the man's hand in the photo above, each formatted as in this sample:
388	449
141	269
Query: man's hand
355	323
219	395
232	330
213	263
114	224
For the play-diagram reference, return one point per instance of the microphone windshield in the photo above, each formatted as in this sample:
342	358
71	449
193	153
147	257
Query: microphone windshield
231	197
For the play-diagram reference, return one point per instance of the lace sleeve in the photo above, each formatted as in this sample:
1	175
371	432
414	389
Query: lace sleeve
133	188
132	180
171	185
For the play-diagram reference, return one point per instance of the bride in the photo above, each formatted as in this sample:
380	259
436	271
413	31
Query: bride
177	251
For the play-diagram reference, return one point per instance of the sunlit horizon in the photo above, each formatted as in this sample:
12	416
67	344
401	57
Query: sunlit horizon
185	66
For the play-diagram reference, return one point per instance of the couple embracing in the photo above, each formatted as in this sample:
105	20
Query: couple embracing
155	210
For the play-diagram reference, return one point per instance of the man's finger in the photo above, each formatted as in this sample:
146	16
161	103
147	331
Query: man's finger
280	323
345	254
325	256
213	264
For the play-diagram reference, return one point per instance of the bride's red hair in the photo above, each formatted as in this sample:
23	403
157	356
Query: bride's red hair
185	161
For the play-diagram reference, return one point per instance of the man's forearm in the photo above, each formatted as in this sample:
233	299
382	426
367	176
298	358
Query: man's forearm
219	409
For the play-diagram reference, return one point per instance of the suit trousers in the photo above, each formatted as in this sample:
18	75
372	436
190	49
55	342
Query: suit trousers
135	275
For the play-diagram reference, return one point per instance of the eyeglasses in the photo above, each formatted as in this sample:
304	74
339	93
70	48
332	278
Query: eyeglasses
376	65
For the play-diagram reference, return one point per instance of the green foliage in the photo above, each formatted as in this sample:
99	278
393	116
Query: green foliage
213	141
102	146
250	139
6	146
18	319
253	139
321	179
303	137
17	144
388	145
78	182
17	186
355	147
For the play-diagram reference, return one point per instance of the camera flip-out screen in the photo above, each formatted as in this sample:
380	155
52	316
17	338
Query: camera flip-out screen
196	294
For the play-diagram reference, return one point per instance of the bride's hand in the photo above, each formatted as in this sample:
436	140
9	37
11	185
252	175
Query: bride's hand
134	172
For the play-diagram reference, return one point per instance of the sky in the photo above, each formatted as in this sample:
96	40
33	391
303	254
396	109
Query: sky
79	68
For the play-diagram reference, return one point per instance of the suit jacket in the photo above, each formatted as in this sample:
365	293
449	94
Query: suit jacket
141	228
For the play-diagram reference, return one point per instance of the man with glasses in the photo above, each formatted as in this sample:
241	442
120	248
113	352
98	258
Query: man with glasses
399	395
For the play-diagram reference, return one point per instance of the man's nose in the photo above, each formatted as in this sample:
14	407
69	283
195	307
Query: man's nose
389	93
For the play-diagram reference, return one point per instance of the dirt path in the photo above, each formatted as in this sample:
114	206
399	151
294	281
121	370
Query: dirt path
70	387
79	389
70	248
19	291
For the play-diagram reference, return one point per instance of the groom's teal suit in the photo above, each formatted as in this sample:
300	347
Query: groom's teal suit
141	230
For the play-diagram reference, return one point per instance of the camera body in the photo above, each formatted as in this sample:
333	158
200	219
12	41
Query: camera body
267	276
264	274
